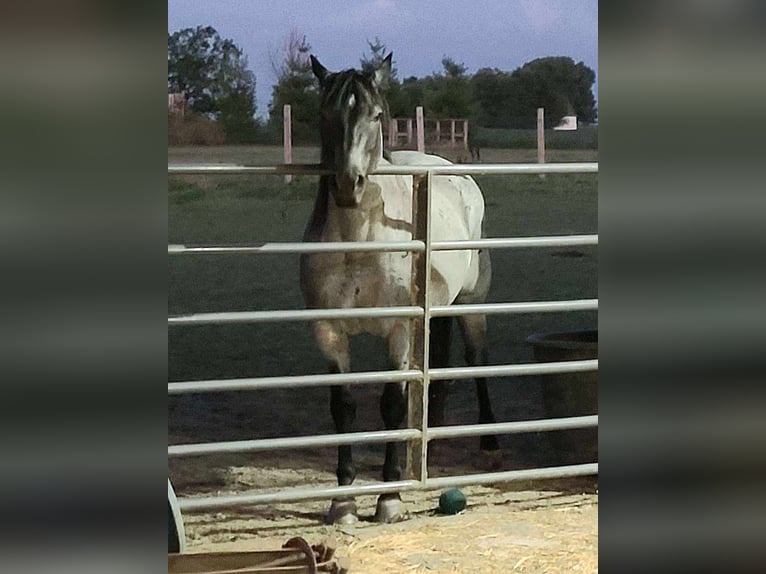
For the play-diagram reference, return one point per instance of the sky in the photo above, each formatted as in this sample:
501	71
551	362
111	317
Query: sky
502	34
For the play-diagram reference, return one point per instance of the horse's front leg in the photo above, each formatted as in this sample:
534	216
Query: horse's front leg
393	409
333	343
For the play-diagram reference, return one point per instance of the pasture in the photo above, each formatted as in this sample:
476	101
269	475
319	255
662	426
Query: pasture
238	209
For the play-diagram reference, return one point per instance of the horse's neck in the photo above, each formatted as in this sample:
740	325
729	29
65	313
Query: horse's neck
318	218
332	223
329	222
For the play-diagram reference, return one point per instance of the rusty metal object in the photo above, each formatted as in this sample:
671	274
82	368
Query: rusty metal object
295	557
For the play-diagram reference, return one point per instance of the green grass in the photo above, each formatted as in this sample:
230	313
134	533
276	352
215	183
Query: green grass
585	137
263	208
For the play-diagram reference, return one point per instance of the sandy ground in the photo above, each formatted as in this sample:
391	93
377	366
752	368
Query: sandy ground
549	526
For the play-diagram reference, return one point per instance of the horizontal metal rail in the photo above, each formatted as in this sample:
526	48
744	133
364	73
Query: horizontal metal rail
447	169
264	383
374	377
384	246
295	247
512	427
316	441
530	307
380	312
512	475
296	495
300	494
516	242
517	370
369	437
293	315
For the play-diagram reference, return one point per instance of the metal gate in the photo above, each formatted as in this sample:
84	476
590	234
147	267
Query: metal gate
419	376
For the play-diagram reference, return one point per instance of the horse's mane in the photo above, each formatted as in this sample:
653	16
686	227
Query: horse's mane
340	86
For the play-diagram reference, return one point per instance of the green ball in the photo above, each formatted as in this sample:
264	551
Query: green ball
451	501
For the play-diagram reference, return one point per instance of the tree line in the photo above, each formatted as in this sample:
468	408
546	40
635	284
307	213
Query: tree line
213	74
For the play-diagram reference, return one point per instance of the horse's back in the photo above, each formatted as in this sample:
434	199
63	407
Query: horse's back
469	196
458	212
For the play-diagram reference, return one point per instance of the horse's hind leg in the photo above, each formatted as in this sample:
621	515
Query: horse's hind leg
441	339
334	346
440	342
474	331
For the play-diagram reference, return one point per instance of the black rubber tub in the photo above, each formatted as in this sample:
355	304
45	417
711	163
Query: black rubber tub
569	394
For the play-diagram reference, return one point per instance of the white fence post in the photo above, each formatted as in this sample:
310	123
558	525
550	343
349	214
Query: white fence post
287	138
541	137
420	129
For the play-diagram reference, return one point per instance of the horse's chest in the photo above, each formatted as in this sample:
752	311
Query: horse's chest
368	281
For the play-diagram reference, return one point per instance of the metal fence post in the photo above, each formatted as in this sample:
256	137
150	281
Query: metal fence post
417	390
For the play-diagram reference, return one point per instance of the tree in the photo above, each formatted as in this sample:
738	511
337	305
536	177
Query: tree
558	85
510	100
448	95
412	95
296	86
399	104
492	98
212	72
378	52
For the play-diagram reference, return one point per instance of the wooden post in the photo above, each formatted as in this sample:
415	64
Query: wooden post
452	133
417	392
420	129
465	134
541	138
409	132
438	132
540	135
392	134
288	138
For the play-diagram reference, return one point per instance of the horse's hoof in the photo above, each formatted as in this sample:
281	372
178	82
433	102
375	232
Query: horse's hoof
390	509
342	511
491	459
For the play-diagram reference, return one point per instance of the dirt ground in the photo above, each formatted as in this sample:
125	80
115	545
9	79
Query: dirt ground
549	527
542	526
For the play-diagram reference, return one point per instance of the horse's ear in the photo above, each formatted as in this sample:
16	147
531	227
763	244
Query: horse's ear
383	73
319	70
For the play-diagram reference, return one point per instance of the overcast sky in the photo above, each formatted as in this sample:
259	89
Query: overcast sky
500	34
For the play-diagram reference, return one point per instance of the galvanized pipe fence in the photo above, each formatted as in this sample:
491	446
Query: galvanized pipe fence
418	434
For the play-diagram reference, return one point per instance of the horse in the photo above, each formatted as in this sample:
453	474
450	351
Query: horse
352	205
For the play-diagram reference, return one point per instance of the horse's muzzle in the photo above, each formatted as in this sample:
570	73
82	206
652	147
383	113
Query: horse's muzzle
349	190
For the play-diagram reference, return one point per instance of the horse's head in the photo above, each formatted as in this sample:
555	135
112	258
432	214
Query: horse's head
353	110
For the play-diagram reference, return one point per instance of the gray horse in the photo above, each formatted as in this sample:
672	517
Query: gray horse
354	206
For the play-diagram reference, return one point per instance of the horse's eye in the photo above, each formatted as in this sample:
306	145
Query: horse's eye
379	117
